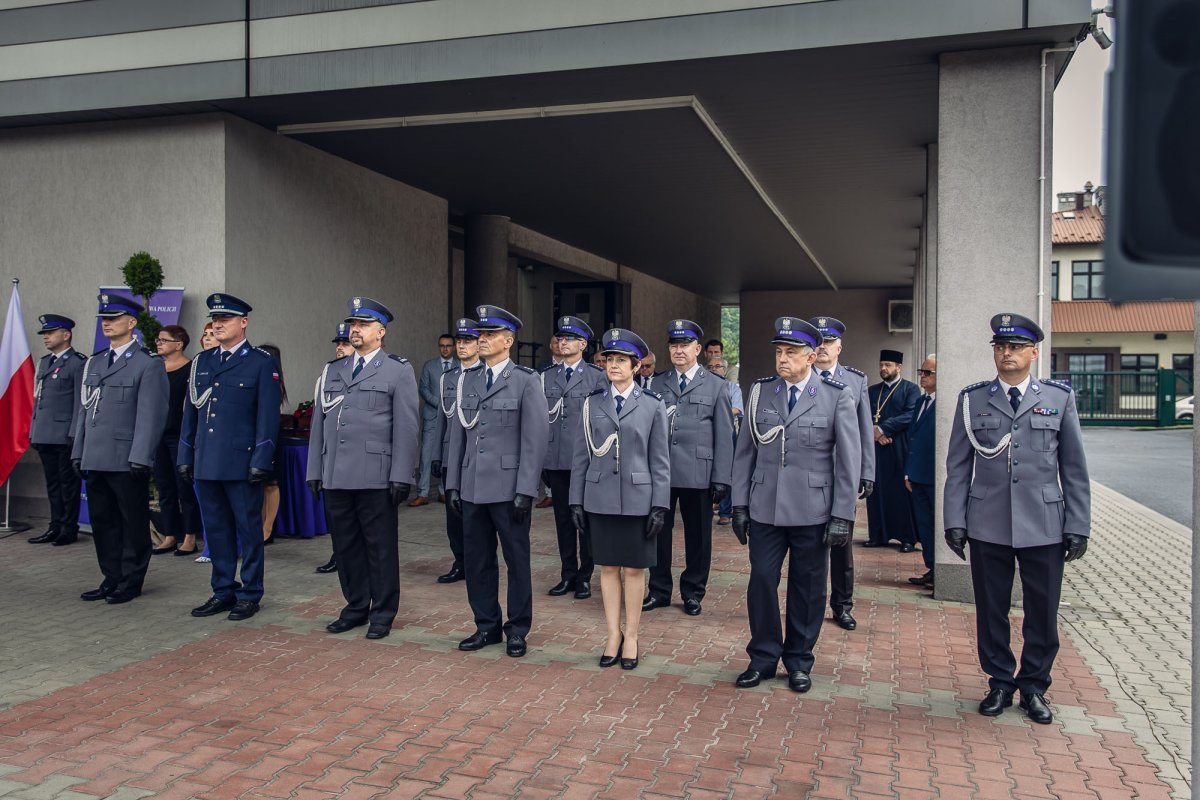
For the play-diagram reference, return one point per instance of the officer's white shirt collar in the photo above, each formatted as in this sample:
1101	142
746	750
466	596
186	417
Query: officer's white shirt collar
572	365
61	353
832	370
233	349
691	373
369	357
802	385
625	394
120	351
464	366
498	370
447	363
1022	387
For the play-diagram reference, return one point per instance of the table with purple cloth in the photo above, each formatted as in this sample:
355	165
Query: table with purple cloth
299	514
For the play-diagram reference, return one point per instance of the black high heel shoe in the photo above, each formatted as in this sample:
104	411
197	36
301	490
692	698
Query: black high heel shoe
627	663
608	661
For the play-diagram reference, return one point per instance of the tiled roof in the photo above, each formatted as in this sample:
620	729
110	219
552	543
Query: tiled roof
1101	316
1085	226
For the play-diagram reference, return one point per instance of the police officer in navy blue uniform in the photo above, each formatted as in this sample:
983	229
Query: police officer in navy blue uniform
1017	491
52	432
701	429
363	455
227	445
466	346
341	349
123	410
793	498
494	465
566	384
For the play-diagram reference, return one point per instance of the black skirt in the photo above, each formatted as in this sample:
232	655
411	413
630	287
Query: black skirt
620	541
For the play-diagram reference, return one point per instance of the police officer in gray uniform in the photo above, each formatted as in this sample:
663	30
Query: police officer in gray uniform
362	453
792	497
466	350
494	464
123	410
841	559
566	384
52	433
341	349
701	428
1017	490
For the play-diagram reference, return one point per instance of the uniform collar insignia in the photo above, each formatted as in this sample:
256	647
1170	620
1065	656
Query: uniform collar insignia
129	353
635	392
1035	386
995	387
376	364
812	391
778	387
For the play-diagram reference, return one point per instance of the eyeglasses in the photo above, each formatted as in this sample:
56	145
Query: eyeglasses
1015	347
925	373
161	340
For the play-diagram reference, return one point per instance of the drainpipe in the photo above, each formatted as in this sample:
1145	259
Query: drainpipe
1041	204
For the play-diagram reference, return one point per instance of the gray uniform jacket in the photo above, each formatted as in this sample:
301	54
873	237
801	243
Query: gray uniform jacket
793	479
565	400
701	429
498	454
431	373
364	429
856	382
640	477
56	398
124	410
1043	493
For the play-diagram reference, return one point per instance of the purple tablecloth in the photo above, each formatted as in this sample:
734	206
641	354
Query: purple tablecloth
299	514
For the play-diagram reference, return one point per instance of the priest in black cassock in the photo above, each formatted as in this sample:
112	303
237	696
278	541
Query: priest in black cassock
892	404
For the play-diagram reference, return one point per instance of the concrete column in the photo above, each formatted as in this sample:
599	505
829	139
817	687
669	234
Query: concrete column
487	277
988	217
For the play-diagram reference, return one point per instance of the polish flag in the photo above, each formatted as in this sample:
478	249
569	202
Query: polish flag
16	388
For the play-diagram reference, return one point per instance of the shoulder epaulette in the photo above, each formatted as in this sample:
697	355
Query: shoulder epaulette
395	357
765	380
98	352
857	372
1060	384
649	393
149	352
263	352
549	367
593	366
525	369
335	360
478	365
973	387
601	390
80	356
834	382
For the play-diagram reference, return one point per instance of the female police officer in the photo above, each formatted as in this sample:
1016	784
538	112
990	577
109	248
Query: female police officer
621	487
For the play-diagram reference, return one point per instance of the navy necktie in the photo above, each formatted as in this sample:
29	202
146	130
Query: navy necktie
112	356
682	383
358	367
793	395
925	406
620	402
225	354
489	380
1014	398
570	372
824	373
445	366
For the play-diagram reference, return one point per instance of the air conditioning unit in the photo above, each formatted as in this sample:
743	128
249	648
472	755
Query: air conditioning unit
900	316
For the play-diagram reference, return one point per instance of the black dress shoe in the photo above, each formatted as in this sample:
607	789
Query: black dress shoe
160	551
691	607
1036	708
48	536
245	609
96	594
627	663
378	630
515	646
871	544
608	661
844	620
455	574
478	640
652	602
907	548
340	625
996	701
583	590
328	567
752	677
561	588
122	596
63	541
923	580
214	605
798	681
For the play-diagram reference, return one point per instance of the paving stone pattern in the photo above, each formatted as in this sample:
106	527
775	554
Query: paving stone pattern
141	700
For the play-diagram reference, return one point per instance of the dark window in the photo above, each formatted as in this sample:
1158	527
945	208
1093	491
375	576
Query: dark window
1087	280
1139	384
1184	376
1087	362
1053	280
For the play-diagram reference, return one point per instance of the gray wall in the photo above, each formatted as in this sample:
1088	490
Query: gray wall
307	231
864	312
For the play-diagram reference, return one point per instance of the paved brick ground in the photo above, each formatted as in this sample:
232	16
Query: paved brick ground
141	700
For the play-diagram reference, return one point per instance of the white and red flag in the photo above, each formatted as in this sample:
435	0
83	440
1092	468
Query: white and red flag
16	388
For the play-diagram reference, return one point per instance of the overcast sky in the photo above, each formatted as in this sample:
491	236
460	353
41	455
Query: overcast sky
1079	116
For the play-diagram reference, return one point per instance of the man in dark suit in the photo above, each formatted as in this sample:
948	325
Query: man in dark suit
892	404
918	466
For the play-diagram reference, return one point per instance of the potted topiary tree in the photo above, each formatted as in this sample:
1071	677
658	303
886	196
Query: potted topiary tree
144	276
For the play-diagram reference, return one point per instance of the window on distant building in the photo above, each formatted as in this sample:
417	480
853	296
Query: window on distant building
1053	280
1087	362
1087	280
1184	377
1145	383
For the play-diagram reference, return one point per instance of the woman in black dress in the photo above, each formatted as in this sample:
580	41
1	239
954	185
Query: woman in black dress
179	512
621	488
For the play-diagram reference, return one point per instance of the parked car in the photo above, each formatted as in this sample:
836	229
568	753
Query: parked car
1183	408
